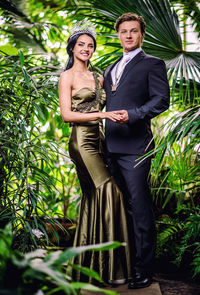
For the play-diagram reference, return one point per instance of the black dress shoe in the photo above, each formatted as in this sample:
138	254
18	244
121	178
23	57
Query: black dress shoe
140	281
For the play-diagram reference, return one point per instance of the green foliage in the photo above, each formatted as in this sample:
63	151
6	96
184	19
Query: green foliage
36	177
29	24
175	172
49	273
32	177
192	231
169	232
162	39
175	188
178	238
191	10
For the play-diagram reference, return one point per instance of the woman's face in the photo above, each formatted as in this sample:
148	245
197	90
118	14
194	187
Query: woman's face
84	48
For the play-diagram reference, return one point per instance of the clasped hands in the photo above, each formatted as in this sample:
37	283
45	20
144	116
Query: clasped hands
119	116
122	116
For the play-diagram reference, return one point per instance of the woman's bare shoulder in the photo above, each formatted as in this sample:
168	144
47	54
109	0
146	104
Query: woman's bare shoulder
67	76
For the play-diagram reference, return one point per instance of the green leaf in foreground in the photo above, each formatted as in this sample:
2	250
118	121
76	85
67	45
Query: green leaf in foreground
90	287
73	252
87	271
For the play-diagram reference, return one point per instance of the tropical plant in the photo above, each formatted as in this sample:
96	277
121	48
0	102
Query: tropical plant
29	26
176	187
177	159
178	239
162	39
40	272
33	162
190	9
175	166
190	241
175	169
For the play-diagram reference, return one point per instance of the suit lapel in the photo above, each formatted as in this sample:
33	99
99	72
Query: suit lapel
110	69
131	64
128	67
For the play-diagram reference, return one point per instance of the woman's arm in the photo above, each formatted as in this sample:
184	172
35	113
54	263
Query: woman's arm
65	95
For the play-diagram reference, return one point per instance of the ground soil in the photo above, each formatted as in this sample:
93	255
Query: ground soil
177	284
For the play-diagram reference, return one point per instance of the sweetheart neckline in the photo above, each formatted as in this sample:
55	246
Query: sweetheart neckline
90	88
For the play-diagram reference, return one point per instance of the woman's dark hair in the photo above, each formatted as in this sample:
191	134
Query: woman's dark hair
70	46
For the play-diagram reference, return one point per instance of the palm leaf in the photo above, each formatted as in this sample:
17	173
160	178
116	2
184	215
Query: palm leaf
163	40
11	7
192	11
182	128
21	28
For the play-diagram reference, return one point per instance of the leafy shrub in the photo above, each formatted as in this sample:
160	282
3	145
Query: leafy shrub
40	272
33	181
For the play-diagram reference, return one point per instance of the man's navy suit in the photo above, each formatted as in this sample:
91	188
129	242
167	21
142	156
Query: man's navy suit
143	91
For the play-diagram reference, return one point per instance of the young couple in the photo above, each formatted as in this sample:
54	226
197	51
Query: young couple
116	202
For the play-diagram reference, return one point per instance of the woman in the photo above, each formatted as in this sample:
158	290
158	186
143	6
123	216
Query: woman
102	215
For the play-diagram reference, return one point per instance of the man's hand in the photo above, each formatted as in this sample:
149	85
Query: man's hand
123	116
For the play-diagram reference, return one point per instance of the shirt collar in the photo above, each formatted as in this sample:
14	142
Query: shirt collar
133	53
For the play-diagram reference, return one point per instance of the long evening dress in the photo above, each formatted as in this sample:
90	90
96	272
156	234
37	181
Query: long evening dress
102	216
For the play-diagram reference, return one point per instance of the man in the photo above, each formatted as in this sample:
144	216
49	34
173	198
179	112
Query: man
137	88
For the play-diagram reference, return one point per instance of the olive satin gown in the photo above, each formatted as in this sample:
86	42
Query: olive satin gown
102	217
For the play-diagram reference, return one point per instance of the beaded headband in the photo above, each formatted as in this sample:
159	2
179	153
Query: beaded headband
83	28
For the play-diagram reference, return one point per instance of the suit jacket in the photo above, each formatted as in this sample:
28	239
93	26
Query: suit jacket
143	91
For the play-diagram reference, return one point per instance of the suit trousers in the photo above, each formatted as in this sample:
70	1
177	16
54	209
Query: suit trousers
133	182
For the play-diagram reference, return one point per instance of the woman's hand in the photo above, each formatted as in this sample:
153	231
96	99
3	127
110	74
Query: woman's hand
113	116
123	116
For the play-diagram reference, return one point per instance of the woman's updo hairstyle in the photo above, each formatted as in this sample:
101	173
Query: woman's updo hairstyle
71	42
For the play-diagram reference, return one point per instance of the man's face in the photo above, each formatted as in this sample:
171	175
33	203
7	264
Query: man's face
130	35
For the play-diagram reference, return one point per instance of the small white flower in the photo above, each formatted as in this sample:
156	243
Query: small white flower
37	233
39	292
